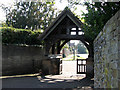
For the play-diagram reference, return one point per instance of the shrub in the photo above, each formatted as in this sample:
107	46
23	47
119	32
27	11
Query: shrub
20	36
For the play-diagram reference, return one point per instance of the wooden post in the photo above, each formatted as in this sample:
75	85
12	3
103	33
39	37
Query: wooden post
58	47
53	49
77	30
47	47
77	66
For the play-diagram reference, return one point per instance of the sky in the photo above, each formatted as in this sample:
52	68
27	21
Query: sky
58	5
6	2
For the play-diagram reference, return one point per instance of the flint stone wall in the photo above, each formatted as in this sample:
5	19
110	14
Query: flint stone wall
107	55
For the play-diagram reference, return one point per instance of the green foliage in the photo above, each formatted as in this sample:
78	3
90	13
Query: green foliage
98	14
30	15
65	46
81	49
20	36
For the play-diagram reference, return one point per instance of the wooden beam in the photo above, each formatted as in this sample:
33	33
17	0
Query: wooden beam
70	37
53	26
63	43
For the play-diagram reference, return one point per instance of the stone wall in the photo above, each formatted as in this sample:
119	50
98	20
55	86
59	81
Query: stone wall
26	60
51	66
21	59
107	55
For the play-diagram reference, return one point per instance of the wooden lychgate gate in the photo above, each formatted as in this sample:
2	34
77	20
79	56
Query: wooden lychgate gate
81	66
64	28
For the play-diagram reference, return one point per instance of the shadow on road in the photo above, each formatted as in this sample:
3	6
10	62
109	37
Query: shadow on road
46	82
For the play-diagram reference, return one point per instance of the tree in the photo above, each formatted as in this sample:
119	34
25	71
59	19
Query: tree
81	48
98	14
30	15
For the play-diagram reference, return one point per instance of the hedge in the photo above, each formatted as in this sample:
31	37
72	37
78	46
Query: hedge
20	36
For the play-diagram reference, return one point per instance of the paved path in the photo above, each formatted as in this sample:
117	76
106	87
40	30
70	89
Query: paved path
69	79
70	67
51	81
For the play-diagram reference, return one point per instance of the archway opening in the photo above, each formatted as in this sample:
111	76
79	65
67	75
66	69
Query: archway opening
74	49
71	52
